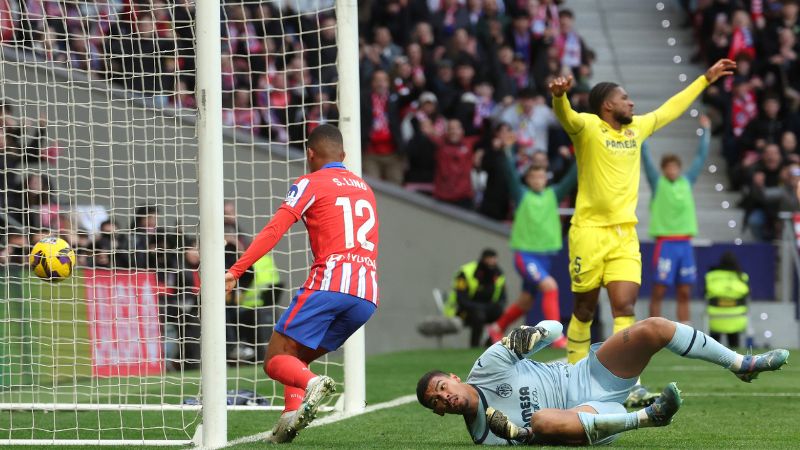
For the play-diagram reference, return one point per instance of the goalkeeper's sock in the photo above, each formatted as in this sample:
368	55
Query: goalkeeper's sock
622	322
289	371
602	426
292	398
550	307
695	344
579	337
512	313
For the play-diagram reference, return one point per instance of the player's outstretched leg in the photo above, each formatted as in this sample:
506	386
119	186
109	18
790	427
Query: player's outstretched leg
318	389
639	397
602	428
692	343
752	365
660	413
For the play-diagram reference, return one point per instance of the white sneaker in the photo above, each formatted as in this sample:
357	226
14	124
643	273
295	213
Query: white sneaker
283	432
318	388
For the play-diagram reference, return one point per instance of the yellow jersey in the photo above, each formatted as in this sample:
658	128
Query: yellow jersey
609	160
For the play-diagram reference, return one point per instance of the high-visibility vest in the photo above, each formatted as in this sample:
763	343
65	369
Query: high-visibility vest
265	276
726	293
468	269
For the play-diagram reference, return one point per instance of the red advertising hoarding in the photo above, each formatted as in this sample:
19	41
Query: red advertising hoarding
123	323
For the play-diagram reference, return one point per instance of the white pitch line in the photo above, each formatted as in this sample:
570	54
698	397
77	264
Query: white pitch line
741	394
339	416
335	417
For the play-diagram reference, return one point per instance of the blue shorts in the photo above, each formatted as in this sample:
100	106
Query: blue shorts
324	318
673	262
533	268
590	380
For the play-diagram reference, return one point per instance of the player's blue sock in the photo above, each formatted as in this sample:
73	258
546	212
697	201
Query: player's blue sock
602	428
695	344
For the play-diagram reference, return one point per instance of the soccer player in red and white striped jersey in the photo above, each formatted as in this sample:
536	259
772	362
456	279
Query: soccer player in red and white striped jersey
341	292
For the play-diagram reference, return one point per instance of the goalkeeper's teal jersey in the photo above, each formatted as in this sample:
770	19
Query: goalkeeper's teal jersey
517	387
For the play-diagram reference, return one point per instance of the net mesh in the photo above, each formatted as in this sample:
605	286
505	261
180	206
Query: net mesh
99	148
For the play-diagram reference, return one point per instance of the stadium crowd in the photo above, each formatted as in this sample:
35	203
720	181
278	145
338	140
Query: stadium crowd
452	88
439	78
758	110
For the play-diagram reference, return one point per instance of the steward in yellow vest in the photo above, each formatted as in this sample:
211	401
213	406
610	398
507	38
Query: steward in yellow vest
726	292
478	295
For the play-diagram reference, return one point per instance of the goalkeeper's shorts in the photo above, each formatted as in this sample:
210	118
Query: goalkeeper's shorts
323	318
589	380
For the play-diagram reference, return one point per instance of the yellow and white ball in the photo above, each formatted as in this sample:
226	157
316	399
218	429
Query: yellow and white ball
52	259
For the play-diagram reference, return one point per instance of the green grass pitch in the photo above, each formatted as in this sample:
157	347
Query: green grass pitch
719	411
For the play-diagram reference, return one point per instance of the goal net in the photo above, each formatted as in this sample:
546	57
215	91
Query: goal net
97	130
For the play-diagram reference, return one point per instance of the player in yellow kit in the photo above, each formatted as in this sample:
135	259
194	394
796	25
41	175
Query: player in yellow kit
603	245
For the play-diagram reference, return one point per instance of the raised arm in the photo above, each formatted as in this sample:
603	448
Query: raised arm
702	151
565	186
650	169
267	239
525	341
569	119
675	106
515	186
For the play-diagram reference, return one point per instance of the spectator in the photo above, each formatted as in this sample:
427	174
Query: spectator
185	310
110	248
478	294
742	38
35	208
531	119
766	128
571	48
421	152
791	178
387	50
494	159
451	16
443	85
143	228
762	194
242	115
520	39
454	163
380	130
231	222
789	147
427	109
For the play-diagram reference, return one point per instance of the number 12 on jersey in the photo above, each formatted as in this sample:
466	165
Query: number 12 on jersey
361	208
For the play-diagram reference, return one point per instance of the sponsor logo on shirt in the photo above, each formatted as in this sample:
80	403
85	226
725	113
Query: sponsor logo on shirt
336	258
528	403
504	390
296	191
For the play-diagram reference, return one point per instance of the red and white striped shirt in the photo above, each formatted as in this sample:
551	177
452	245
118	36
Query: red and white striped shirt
338	209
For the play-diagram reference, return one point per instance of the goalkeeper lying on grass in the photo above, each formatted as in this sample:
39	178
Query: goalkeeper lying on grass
509	399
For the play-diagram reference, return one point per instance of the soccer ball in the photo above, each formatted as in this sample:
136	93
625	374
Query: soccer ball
52	259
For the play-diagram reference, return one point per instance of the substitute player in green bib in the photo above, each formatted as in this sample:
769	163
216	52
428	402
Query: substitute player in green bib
536	237
673	223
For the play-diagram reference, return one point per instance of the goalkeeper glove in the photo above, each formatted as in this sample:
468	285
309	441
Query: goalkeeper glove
522	340
504	428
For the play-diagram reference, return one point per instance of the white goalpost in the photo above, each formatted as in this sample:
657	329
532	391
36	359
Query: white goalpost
157	137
